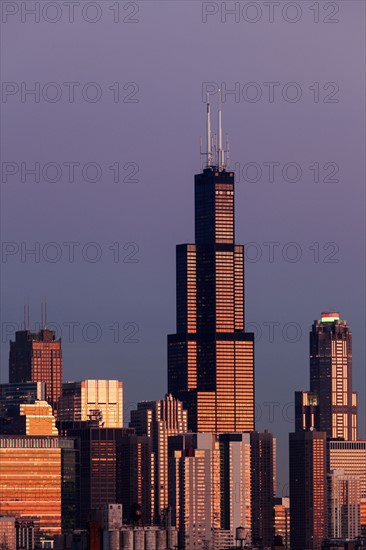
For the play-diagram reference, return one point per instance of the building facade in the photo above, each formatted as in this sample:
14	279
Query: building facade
344	497
308	490
159	420
331	405
211	357
235	484
37	357
263	480
81	400
194	489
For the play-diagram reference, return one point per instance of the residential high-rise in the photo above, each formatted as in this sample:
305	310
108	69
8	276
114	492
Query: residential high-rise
308	490
81	400
194	489
344	496
159	420
211	357
263	481
331	405
37	357
235	486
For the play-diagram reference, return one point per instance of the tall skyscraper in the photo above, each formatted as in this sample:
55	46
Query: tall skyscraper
159	420
263	480
81	400
308	490
282	522
37	357
331	405
211	357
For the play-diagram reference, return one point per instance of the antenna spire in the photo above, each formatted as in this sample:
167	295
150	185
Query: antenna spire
209	151
221	156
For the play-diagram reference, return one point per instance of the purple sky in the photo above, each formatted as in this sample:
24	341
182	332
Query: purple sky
169	53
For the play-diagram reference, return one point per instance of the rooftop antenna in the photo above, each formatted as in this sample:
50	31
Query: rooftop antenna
41	315
25	316
221	157
209	151
45	314
227	151
28	316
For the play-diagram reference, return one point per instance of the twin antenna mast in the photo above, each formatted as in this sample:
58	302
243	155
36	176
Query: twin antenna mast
215	153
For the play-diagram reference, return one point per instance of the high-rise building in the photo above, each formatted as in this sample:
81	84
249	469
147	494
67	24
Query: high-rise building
344	496
194	488
211	357
38	473
159	420
263	480
331	405
37	357
82	400
115	465
282	522
308	490
31	478
235	486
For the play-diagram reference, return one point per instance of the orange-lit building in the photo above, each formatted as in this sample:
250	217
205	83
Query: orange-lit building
30	479
282	521
159	420
37	357
211	357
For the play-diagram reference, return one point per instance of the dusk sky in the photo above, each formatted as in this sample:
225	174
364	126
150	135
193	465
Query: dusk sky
309	124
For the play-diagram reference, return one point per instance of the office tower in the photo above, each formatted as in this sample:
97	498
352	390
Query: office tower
38	474
308	495
282	521
235	452
37	357
344	495
12	395
135	476
31	478
211	357
115	466
331	405
194	488
263	479
80	400
159	420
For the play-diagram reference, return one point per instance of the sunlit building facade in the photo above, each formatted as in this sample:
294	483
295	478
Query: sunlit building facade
211	357
282	521
235	486
31	478
194	489
37	357
344	498
81	400
159	420
331	405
